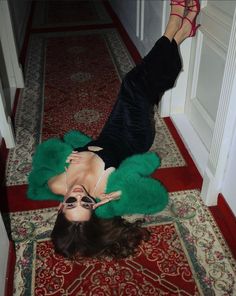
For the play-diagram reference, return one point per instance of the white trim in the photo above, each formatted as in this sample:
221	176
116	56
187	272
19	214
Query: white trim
14	71
6	128
140	19
192	141
142	8
137	18
224	127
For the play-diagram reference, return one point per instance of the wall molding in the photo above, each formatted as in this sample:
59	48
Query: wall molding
224	127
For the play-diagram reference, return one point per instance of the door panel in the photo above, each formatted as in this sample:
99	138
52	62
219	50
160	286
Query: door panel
226	7
208	63
210	78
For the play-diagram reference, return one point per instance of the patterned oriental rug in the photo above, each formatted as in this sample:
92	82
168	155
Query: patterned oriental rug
186	255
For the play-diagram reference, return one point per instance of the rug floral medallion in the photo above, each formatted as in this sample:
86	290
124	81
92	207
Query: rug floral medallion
186	255
71	89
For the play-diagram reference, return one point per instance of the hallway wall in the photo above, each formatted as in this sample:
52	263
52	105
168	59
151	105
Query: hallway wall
20	12
143	21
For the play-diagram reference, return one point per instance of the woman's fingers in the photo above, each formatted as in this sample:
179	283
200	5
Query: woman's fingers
74	157
105	198
112	195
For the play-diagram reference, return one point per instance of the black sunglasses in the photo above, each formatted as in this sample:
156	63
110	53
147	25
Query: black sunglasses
71	202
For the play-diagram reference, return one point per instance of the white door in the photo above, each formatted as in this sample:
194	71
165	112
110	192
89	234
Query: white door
201	104
211	76
207	68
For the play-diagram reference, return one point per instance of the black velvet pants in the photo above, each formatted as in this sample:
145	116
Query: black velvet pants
130	128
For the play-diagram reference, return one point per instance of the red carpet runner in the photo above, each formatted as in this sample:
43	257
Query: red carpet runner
158	266
84	66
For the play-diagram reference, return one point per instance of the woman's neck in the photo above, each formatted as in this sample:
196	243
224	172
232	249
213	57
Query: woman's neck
91	174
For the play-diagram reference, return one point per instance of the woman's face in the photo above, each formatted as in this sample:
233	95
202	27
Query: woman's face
72	208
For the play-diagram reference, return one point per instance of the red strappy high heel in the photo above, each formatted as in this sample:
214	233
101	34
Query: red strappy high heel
178	3
193	8
181	3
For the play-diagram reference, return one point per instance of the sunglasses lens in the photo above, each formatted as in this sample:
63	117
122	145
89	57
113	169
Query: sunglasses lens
70	199
70	202
87	199
87	206
87	202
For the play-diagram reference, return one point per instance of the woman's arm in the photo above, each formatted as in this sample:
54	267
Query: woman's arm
140	195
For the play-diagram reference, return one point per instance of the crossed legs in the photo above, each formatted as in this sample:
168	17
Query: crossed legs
182	21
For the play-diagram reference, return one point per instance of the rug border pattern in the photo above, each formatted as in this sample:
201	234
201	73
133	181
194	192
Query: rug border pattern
187	226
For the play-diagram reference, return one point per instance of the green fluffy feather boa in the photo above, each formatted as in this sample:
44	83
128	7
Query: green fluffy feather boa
141	194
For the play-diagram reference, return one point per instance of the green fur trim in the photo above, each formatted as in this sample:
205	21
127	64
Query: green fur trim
76	139
141	194
49	160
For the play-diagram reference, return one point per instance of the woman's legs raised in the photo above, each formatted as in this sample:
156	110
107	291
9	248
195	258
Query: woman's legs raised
130	126
175	19
189	27
182	20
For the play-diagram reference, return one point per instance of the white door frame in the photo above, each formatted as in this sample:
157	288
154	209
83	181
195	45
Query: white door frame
9	49
13	69
224	126
211	164
6	128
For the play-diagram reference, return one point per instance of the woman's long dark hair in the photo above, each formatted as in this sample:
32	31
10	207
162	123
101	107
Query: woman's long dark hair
114	237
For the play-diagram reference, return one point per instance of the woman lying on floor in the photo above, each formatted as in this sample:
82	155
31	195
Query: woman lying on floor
98	181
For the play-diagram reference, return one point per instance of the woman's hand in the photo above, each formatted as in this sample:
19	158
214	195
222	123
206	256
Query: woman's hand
107	197
74	157
77	157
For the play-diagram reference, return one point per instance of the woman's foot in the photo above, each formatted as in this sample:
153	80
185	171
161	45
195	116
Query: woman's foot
189	27
176	17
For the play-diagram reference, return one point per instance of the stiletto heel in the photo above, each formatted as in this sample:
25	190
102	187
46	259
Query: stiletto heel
193	8
194	27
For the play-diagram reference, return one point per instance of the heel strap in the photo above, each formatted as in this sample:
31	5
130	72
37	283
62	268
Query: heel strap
194	26
195	7
176	14
179	3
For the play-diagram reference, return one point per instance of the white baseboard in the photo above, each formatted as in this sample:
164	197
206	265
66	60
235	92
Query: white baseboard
4	247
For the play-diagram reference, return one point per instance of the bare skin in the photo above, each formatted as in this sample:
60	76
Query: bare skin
86	169
178	27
